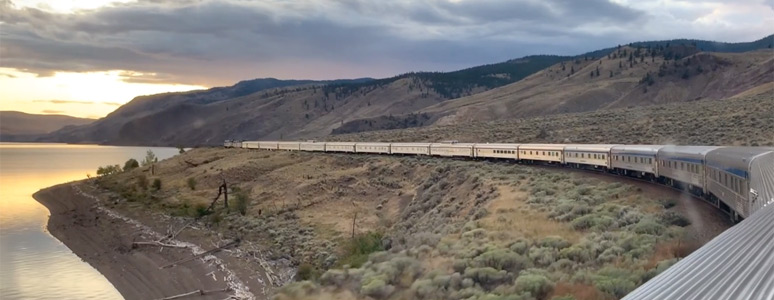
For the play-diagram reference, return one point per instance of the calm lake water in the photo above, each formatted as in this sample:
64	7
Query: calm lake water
34	264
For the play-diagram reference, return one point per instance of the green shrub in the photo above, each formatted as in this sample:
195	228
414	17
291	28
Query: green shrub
668	203
142	182
539	286
306	271
542	256
575	253
501	259
200	210
584	222
157	184
648	226
617	287
131	164
555	242
191	183
673	218
377	289
241	202
486	275
358	248
108	170
616	282
520	246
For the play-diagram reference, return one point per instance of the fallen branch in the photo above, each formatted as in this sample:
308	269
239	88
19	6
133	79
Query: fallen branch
229	245
154	243
196	292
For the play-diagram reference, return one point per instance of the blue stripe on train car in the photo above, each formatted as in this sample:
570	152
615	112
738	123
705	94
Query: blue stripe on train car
633	154
690	160
737	172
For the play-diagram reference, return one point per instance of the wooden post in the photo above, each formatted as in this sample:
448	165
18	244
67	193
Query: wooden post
225	193
353	225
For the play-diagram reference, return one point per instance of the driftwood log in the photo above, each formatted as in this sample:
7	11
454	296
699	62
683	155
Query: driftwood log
205	253
196	292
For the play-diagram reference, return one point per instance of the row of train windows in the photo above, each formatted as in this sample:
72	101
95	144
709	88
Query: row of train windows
374	148
730	181
544	153
635	159
505	151
683	166
584	155
412	149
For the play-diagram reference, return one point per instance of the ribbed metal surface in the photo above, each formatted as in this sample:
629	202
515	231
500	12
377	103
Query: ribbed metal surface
737	264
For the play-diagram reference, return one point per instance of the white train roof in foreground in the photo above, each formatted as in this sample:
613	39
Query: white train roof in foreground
737	264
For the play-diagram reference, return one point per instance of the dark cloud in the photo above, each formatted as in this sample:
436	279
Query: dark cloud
220	42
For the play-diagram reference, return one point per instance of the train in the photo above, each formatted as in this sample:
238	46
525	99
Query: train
737	180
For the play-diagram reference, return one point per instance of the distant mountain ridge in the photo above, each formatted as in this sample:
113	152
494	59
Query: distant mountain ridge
20	126
300	109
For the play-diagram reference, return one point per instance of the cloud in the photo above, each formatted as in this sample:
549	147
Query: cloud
51	111
77	102
220	42
63	101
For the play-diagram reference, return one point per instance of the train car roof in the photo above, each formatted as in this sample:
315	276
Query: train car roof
496	145
686	152
341	143
411	144
455	145
636	149
542	146
736	159
369	143
589	147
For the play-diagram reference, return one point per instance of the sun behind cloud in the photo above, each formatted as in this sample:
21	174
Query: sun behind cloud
89	94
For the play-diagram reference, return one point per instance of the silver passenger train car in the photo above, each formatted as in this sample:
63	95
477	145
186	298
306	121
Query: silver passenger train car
740	179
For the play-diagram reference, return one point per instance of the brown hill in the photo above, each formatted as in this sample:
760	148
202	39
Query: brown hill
614	82
14	124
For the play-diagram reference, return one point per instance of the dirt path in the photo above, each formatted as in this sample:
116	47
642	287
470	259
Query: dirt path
104	240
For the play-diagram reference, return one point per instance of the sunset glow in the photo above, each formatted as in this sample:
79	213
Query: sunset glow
87	95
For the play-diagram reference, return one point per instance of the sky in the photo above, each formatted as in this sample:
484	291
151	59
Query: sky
85	58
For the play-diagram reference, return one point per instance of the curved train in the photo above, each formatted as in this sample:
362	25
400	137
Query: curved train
738	180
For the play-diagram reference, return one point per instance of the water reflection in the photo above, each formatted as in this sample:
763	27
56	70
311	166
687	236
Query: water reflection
33	264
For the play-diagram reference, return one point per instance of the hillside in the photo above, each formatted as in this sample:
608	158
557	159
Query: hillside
628	77
16	125
295	110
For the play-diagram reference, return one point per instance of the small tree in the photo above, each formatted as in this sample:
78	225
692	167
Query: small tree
180	149
131	164
149	159
157	184
191	183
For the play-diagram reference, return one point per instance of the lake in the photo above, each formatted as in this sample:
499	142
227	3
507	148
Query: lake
34	264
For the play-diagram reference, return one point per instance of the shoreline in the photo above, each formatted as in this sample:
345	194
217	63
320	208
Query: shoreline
104	239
